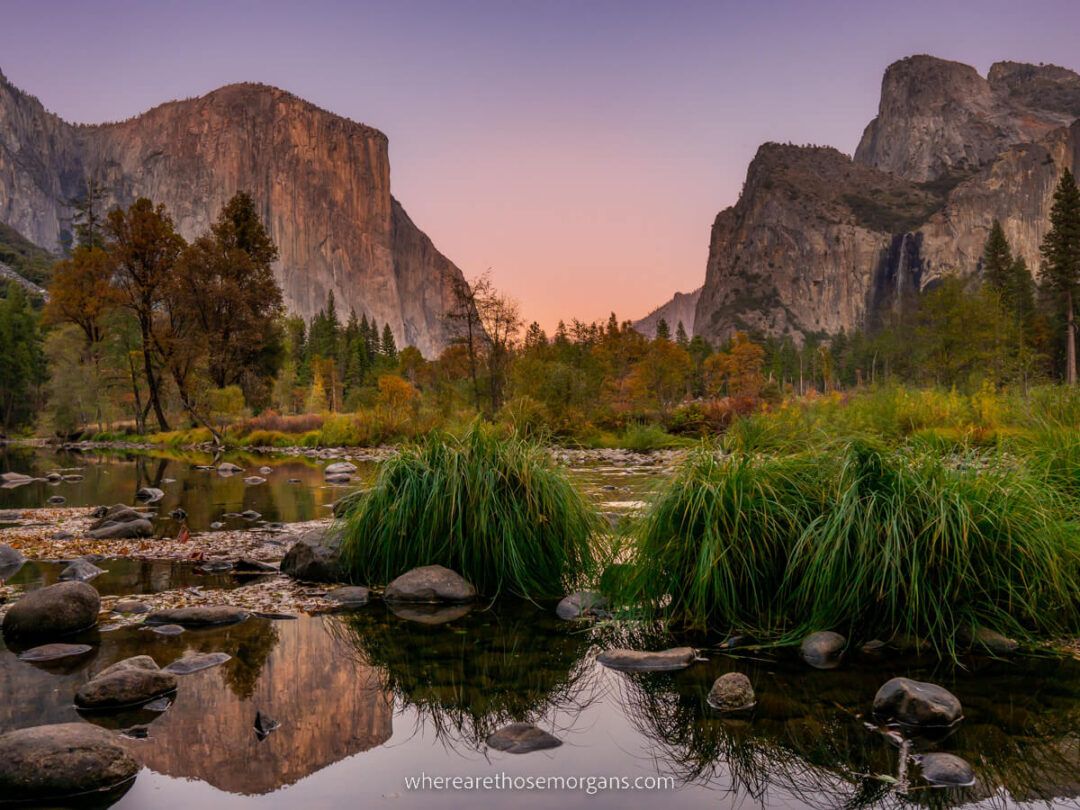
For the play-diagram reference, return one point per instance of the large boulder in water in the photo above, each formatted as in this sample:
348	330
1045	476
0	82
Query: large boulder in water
131	682
315	557
53	611
43	765
915	703
430	583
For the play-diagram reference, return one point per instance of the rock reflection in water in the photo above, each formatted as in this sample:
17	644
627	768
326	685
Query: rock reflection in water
474	673
807	736
328	705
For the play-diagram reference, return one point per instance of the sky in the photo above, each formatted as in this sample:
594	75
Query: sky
579	151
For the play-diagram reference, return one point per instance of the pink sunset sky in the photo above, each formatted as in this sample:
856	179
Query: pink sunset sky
580	150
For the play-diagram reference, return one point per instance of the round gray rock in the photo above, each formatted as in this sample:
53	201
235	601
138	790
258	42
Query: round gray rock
521	738
916	703
823	650
53	611
45	764
946	770
430	583
732	692
149	495
638	661
130	682
349	596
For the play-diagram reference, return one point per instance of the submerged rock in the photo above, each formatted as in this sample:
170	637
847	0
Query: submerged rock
946	770
45	764
54	652
131	606
339	478
195	662
430	583
823	650
11	560
349	596
521	738
179	513
198	616
130	682
430	613
168	629
149	495
246	565
228	468
915	703
81	570
638	661
993	641
56	500
732	692
254	480
53	611
582	605
315	557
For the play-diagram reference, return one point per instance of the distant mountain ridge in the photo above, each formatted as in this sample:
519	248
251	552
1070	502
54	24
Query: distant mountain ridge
680	308
320	181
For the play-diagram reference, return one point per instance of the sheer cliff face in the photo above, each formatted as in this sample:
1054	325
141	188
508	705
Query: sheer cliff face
321	181
820	242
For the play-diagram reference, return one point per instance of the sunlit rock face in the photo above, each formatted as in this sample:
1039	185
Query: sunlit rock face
321	182
820	242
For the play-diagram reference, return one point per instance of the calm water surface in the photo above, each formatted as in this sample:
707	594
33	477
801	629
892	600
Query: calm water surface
369	699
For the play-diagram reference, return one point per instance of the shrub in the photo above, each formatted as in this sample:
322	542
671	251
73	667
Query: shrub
497	510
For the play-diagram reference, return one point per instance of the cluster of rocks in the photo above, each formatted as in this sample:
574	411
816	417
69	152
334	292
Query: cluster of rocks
120	522
48	764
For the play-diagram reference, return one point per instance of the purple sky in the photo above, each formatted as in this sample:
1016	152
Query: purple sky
578	149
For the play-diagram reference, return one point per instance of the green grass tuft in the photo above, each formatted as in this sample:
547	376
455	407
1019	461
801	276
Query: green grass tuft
497	510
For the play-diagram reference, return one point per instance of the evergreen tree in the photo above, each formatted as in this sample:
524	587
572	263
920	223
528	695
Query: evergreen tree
997	259
663	331
680	335
88	215
1061	261
389	347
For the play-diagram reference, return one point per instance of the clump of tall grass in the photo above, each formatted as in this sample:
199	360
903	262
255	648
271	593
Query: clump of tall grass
873	542
713	550
1053	454
911	546
494	508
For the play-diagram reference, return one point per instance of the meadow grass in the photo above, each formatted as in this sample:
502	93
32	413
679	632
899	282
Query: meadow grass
492	507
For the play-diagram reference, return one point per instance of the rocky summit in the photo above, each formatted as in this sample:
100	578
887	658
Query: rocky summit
819	241
320	181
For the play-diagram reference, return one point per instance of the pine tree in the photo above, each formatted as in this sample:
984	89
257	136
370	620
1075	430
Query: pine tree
88	215
663	331
997	259
680	335
22	362
1061	261
389	347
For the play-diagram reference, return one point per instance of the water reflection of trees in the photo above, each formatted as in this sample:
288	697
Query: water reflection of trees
807	736
464	679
